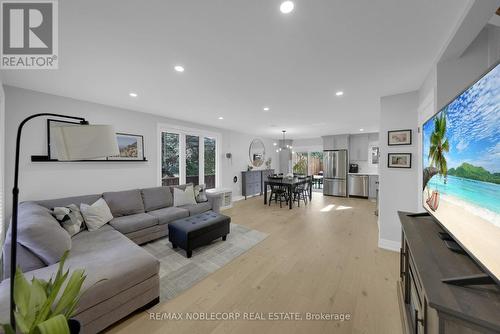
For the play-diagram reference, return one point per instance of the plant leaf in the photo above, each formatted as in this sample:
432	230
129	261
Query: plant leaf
21	292
21	323
54	325
46	309
8	329
71	292
37	302
38	296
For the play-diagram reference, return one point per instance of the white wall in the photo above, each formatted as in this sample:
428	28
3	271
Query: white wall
455	75
450	77
397	188
447	78
238	144
51	180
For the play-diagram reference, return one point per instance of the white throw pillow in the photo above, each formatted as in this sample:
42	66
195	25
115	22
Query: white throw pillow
96	215
184	197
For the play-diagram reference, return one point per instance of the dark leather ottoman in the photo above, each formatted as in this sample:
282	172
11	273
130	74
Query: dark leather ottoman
198	230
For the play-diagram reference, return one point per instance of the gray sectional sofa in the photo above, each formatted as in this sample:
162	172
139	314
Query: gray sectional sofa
131	279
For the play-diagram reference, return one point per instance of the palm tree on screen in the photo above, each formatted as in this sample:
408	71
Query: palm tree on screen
439	145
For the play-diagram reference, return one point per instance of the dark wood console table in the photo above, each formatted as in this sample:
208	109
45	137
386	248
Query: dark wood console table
430	306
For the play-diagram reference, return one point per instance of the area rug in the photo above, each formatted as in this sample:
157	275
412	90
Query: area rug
178	273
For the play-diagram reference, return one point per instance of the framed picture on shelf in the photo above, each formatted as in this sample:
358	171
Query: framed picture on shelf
399	160
131	147
399	137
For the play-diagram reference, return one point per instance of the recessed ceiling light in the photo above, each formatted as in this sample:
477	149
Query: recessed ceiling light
287	7
179	68
339	93
132	94
274	144
361	130
266	108
221	117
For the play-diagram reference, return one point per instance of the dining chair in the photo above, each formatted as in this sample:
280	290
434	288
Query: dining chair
301	191
279	191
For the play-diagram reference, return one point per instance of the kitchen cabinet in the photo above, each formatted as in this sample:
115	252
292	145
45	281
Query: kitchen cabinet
358	147
373	186
336	142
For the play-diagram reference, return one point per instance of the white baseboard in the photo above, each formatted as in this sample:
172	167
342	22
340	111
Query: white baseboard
238	198
390	245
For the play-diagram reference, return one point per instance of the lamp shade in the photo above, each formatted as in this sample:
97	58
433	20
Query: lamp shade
81	142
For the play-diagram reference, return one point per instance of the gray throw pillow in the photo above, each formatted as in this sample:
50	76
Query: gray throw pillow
70	218
200	193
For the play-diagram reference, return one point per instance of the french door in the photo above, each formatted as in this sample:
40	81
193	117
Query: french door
189	156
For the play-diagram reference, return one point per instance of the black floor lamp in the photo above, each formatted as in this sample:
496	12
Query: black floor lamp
73	142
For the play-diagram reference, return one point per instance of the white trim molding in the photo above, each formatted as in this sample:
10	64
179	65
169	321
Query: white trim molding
183	131
390	245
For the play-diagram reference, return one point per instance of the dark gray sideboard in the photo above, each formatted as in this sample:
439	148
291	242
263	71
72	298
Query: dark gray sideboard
429	306
253	181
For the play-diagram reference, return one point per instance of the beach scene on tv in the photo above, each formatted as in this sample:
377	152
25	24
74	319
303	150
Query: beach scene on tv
461	156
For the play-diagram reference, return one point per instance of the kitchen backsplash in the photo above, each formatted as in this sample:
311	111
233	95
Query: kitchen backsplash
365	166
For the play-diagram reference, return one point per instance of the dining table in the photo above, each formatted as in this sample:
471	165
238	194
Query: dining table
289	183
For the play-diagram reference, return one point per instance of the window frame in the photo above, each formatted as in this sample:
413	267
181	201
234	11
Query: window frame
201	134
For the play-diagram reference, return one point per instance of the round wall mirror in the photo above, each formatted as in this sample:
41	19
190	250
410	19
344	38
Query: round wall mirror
257	152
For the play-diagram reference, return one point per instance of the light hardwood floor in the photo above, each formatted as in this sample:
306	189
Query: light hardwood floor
319	258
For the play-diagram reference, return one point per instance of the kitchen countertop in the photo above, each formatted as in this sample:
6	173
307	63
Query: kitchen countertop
372	174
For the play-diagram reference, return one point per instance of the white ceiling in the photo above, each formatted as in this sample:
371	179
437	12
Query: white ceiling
240	56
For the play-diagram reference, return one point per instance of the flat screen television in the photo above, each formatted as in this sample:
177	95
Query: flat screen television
461	170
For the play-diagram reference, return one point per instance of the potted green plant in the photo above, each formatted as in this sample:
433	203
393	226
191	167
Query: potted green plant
41	308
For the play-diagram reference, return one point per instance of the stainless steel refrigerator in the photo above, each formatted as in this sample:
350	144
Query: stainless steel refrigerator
335	173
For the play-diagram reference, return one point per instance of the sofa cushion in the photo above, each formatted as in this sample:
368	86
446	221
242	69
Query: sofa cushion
132	223
39	231
167	215
197	208
112	264
156	198
26	260
124	203
77	200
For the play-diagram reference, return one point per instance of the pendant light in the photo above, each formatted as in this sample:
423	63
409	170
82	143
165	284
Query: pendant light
284	146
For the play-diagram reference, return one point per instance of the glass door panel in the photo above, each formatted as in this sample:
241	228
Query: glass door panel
170	159
193	159
316	163
300	163
210	157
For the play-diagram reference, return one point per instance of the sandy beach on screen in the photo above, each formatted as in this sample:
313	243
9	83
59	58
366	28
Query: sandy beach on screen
477	229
